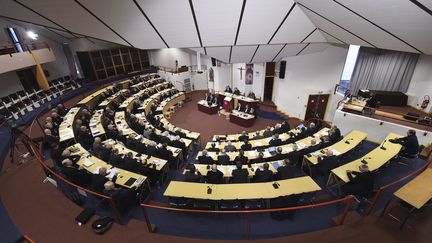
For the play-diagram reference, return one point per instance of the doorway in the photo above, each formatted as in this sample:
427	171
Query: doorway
269	81
316	106
28	79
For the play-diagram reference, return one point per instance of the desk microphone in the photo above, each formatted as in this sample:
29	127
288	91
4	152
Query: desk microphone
382	145
348	140
209	190
364	160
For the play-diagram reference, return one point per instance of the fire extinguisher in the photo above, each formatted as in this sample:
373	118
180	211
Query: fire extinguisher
425	103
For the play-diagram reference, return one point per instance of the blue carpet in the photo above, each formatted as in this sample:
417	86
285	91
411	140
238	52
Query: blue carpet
269	115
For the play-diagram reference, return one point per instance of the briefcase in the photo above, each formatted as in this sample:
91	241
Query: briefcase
85	216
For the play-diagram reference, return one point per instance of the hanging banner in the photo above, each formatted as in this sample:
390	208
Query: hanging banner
249	74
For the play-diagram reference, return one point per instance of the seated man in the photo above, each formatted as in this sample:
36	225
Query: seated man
246	145
243	136
247	109
361	183
240	175
223	158
335	134
228	89
75	175
214	176
312	129
241	158
251	95
192	175
267	132
259	159
97	146
229	147
286	170
275	140
285	127
410	144
237	91
116	159
213	148
99	180
239	107
327	163
263	174
204	158
123	198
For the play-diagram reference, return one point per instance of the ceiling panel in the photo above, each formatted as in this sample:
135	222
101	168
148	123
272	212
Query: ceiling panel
74	18
266	53
401	17
217	20
333	29
64	33
290	50
173	19
12	9
354	23
316	36
127	20
295	28
200	49
220	53
426	3
242	54
312	48
330	38
261	19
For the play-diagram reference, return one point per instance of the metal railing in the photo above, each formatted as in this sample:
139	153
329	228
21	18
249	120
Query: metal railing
9	49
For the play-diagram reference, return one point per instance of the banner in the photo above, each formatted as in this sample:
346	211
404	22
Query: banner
249	74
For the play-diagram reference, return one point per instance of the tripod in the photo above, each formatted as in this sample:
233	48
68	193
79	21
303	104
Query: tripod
16	134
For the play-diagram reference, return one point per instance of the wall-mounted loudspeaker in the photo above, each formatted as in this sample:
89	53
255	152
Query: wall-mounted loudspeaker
213	62
282	69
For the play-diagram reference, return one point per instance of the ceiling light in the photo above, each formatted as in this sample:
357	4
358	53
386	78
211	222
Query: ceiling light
32	35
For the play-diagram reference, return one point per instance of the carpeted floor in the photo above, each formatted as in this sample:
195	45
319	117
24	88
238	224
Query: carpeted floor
45	214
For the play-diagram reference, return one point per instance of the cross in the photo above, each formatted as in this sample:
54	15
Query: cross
241	71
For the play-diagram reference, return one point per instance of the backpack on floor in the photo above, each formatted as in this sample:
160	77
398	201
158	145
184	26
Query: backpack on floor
102	224
85	216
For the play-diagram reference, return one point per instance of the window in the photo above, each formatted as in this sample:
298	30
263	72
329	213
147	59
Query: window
13	35
350	62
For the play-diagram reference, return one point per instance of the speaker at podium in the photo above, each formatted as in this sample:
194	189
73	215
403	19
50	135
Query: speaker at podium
227	104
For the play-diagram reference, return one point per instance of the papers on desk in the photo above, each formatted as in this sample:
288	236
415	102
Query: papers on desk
335	152
230	168
95	132
316	153
258	144
301	145
252	153
88	163
276	165
111	173
286	150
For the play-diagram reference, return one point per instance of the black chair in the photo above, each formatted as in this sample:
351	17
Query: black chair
179	202
203	204
230	204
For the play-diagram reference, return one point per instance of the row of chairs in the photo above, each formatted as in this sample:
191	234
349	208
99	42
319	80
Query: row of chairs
19	103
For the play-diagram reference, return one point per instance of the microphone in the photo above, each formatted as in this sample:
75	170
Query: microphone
364	160
348	140
209	190
382	145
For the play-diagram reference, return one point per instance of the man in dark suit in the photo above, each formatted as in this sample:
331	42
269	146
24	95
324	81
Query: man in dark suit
123	198
164	153
275	140
204	158
223	158
99	180
259	159
213	148
241	158
279	155
285	127
229	147
244	136
361	183
312	129
327	163
75	175
335	134
295	156
228	89
56	154
178	143
286	170
267	132
214	176
97	146
240	175
246	145
409	142
49	139
237	91
192	175
116	159
263	174
130	162
105	152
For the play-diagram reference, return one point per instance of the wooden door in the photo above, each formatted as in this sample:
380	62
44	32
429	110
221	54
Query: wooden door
316	106
268	88
28	79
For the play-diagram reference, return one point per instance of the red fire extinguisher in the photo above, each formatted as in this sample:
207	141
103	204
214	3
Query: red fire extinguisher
425	103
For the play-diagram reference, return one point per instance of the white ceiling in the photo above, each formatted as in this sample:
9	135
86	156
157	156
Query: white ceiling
231	30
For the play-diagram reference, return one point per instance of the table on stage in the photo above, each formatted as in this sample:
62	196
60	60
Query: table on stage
355	105
242	119
416	193
204	107
243	191
236	99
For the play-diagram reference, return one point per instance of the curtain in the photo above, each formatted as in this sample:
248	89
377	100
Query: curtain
378	69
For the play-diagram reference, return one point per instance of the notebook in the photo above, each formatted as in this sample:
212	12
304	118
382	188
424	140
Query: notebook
130	182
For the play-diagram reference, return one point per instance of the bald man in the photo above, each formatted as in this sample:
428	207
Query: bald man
214	176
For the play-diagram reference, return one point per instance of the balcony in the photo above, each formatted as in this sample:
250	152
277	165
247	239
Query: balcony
11	60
